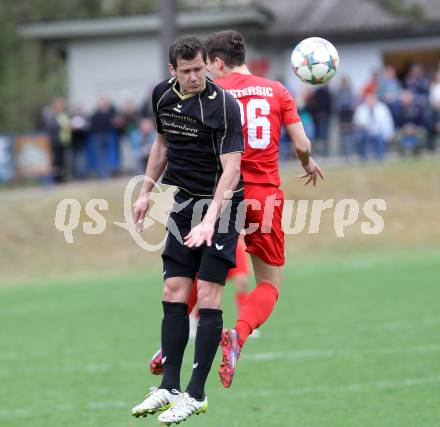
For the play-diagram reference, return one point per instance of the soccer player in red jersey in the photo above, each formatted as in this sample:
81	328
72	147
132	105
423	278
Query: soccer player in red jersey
238	275
265	106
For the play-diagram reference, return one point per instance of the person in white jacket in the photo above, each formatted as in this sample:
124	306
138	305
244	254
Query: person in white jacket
434	92
375	127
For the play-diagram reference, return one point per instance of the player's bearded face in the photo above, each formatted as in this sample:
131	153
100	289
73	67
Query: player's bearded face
191	74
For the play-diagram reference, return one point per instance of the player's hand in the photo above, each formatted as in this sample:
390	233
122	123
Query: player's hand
140	209
312	172
200	234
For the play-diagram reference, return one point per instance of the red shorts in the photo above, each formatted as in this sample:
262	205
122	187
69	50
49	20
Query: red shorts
242	265
264	214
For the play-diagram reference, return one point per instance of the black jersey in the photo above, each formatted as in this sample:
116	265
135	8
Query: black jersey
198	129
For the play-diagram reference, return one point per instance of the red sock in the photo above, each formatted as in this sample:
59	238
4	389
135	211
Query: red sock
192	300
240	298
256	310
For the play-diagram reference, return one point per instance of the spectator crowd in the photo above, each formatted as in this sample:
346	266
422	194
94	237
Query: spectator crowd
390	113
102	144
400	113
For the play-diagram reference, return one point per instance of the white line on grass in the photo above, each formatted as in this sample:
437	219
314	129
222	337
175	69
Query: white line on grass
107	405
347	388
98	367
313	354
409	324
342	388
93	406
300	354
8	356
392	325
4	413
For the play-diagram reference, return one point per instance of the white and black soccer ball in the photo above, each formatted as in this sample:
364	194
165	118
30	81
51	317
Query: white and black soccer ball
315	60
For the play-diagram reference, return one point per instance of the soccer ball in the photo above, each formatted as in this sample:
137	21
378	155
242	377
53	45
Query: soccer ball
315	60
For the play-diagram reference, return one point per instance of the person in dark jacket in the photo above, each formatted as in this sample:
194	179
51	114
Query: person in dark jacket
409	124
321	107
103	146
57	126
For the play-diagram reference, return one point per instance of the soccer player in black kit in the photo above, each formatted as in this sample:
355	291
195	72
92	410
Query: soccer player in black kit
198	149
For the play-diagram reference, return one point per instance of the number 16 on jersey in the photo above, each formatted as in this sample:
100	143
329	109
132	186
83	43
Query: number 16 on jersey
257	125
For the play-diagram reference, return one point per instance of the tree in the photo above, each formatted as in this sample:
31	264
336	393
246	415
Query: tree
30	75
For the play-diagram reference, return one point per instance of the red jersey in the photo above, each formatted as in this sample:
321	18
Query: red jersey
264	105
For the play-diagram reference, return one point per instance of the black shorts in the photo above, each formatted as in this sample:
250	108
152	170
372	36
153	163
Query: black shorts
211	263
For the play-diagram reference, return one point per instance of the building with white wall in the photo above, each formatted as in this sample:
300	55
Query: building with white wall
120	57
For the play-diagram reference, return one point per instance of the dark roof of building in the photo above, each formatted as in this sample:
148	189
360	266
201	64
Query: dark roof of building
307	17
266	19
143	24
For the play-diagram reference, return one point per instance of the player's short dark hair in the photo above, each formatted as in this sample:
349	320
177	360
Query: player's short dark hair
227	45
186	47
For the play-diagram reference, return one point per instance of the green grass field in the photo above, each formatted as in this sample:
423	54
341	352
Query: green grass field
354	342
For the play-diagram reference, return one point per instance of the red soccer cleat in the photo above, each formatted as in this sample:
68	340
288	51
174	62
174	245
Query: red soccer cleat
230	354
156	366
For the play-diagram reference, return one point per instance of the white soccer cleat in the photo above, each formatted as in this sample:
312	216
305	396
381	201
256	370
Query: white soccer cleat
158	399
182	409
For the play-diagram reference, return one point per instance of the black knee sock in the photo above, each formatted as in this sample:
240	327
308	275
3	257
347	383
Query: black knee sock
208	337
175	333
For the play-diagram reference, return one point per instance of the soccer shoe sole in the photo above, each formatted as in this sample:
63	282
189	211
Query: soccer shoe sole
198	412
152	411
226	373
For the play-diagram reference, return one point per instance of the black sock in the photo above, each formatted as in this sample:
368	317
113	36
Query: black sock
175	333
208	337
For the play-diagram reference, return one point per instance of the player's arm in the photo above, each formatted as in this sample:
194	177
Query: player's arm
223	194
157	163
303	146
230	145
297	135
225	188
300	141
